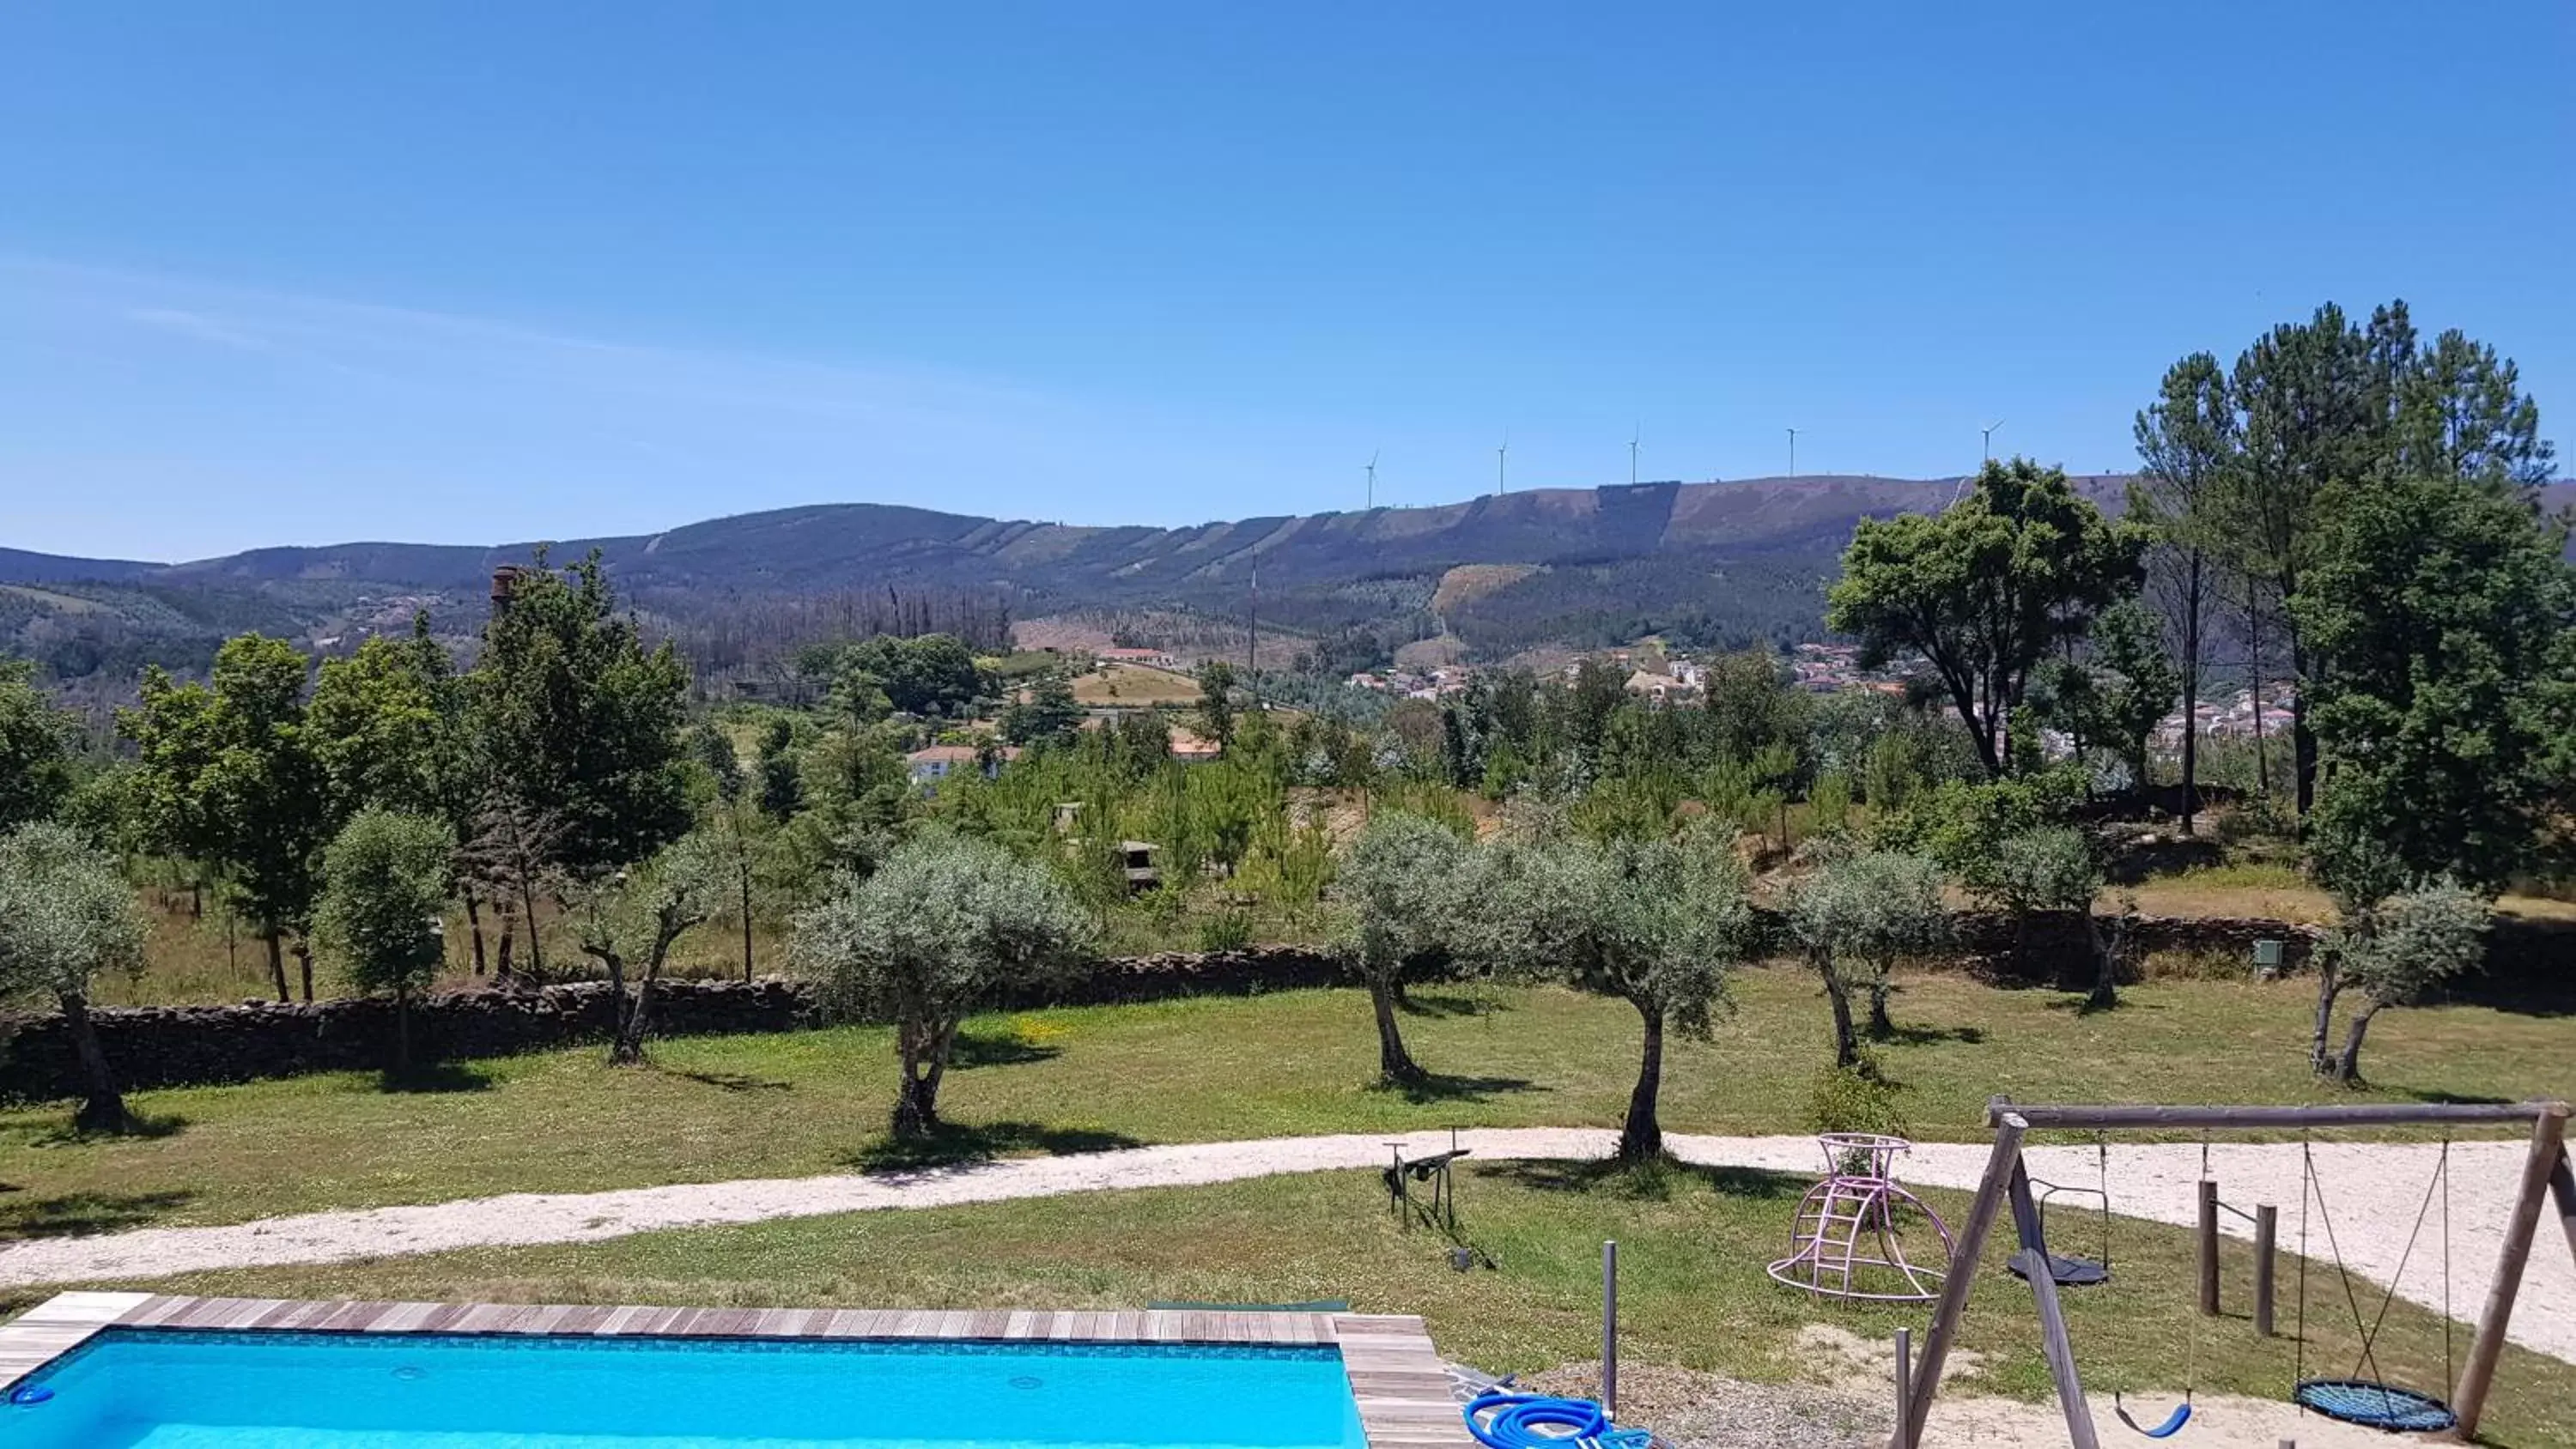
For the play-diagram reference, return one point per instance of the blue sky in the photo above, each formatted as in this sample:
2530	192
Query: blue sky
278	273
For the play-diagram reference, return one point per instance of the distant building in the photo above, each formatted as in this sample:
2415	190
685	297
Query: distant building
1192	749
937	763
1150	658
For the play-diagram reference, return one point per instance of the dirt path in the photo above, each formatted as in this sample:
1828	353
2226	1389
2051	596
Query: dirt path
2372	1190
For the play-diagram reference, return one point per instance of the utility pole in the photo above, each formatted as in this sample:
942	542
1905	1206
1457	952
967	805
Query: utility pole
1793	452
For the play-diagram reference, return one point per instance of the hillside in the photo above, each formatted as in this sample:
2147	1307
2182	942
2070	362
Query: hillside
1716	562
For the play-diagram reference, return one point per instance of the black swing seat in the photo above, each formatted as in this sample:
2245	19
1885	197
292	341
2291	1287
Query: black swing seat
2071	1272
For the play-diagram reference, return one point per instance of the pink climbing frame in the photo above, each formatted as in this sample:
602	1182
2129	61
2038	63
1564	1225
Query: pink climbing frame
1848	1238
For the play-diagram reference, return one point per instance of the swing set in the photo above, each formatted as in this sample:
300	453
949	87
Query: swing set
2363	1397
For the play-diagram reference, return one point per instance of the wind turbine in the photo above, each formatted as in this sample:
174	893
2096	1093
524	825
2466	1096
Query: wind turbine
1372	477
1989	431
1633	435
1500	455
1793	452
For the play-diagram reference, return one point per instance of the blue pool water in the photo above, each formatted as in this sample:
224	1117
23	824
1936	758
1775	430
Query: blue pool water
163	1389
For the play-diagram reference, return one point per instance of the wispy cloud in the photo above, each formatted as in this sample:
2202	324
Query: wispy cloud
233	415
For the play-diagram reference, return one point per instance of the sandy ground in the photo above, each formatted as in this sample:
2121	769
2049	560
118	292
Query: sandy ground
1850	1409
2373	1191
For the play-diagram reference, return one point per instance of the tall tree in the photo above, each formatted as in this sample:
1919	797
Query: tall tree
1050	712
66	915
2134	682
1216	702
2316	401
230	778
385	879
2188	441
2444	614
574	715
1985	591
2462	413
35	765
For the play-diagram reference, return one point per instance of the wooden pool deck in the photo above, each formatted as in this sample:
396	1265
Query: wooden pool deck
1395	1374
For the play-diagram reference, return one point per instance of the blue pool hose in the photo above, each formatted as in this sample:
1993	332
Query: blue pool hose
1516	1419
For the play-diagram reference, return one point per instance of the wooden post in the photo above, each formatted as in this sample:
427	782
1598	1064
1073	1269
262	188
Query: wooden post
2546	1158
2562	1191
1904	1381
2061	1352
1969	1247
2208	1248
1610	1327
2025	1210
2267	1229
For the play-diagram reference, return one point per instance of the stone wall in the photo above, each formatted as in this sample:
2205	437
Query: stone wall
169	1046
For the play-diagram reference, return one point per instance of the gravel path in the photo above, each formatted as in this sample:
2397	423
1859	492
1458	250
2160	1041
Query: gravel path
2373	1191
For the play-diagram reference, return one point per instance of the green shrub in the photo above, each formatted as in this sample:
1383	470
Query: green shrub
1856	1098
1229	929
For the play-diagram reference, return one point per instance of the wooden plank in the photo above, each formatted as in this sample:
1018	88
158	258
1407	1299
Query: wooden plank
2562	1192
2267	1235
2208	1248
1962	1275
2375	1114
2060	1351
2548	1146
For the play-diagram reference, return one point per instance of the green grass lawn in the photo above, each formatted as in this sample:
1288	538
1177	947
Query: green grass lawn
1692	1245
1198	1070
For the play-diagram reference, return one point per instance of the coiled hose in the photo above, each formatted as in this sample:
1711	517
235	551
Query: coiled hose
1540	1421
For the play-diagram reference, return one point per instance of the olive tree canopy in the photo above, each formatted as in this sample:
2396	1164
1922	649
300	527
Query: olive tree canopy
945	924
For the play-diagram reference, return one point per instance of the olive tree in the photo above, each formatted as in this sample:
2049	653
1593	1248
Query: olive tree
1856	918
2050	870
1401	880
1659	923
385	882
944	924
631	919
65	916
2398	950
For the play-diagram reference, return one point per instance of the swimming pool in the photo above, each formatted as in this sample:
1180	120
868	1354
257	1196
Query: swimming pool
130	1388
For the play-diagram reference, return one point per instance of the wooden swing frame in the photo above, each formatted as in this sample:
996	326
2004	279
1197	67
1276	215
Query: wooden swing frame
2546	1180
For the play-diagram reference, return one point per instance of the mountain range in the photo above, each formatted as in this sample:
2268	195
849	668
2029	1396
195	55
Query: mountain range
1718	563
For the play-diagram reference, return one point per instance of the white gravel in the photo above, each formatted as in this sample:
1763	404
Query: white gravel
2373	1190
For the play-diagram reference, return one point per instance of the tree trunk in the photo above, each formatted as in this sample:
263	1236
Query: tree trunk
2329	984
1881	1025
2106	966
746	927
102	1107
304	965
1641	1136
277	962
623	1048
501	972
1846	1040
924	1048
2191	692
402	1030
1395	1066
2347	1067
536	948
2303	741
474	920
